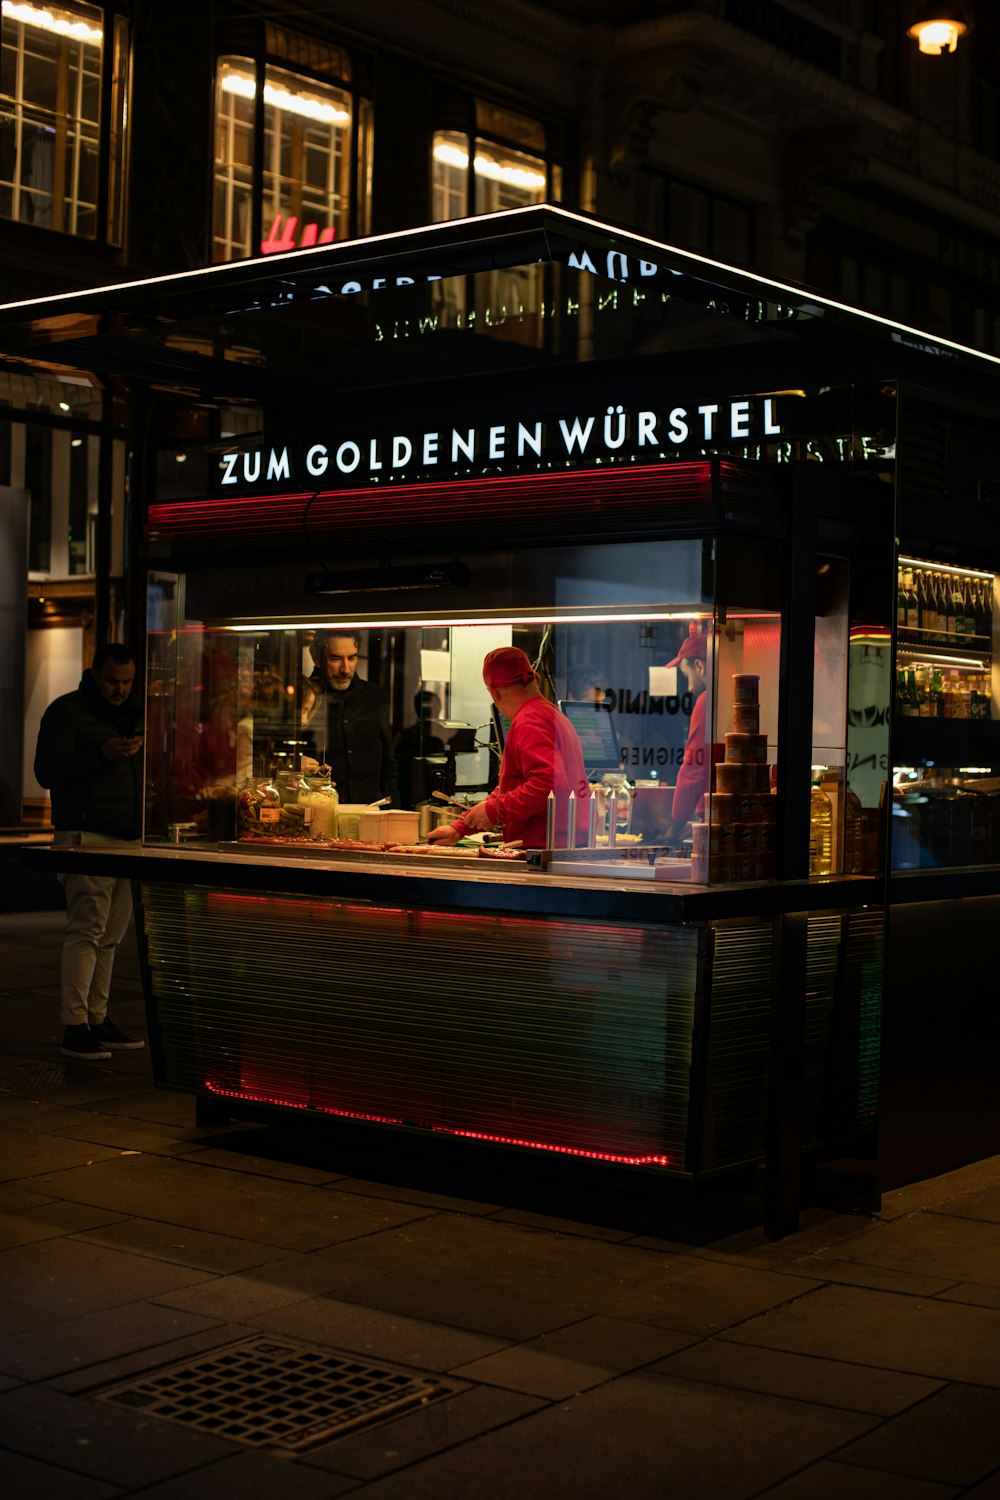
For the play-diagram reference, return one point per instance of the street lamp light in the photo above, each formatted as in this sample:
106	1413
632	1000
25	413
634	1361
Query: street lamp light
936	28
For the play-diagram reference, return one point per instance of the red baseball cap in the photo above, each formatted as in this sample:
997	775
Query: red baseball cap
505	666
693	646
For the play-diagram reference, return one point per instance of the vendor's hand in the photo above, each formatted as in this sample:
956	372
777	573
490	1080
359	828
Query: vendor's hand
477	819
122	747
308	765
448	833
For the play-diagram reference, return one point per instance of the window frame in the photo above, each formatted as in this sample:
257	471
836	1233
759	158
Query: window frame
110	207
252	44
460	116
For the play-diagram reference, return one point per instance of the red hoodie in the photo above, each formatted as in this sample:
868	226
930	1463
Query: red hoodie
542	755
693	776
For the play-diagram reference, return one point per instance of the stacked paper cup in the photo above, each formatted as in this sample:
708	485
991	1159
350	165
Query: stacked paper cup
737	842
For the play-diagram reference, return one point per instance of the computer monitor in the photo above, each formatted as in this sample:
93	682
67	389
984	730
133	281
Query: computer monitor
597	734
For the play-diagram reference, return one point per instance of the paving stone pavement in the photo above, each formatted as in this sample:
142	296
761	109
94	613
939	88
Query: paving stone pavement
534	1341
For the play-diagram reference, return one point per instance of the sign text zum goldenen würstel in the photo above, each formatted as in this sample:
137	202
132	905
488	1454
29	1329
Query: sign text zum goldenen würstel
612	432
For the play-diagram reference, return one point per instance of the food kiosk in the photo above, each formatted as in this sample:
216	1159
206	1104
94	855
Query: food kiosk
533	429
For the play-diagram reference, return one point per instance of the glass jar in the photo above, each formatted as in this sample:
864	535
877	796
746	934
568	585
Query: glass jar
258	807
318	802
619	800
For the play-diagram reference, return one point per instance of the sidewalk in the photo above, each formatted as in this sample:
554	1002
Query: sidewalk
506	1352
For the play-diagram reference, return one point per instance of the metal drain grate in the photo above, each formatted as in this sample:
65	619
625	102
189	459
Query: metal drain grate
24	1078
273	1393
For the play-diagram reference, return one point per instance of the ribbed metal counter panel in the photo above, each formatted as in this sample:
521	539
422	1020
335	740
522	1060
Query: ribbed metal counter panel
564	1035
738	1044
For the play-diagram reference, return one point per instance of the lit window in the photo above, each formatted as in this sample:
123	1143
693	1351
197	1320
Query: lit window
503	162
51	66
304	180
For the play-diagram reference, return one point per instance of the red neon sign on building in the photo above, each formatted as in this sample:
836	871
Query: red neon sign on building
279	239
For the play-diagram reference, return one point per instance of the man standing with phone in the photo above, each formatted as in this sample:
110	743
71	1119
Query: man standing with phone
88	755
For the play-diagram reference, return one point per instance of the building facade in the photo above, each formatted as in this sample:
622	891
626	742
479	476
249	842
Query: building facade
806	140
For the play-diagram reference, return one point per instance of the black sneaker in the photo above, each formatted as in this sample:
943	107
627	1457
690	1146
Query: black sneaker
80	1043
110	1035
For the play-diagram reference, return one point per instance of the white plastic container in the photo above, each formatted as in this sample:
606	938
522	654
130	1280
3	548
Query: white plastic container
401	826
371	826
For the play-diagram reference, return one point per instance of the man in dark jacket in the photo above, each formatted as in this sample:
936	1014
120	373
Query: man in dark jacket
358	746
88	757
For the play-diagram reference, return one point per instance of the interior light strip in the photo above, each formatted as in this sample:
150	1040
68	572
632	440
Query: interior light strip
496	171
59	22
434	622
937	567
306	105
416	622
928	653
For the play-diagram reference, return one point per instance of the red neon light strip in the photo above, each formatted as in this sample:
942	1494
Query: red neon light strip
256	517
470	1135
345	1114
512	1140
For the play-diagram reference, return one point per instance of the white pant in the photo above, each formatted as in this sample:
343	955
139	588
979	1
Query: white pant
98	908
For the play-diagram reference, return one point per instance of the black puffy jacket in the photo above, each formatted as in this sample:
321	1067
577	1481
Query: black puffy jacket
358	744
88	791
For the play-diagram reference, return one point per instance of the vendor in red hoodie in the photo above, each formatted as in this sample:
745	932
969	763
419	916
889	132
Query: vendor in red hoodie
693	776
542	755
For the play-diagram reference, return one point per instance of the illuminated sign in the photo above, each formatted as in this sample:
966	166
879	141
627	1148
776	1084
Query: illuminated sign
594	437
279	239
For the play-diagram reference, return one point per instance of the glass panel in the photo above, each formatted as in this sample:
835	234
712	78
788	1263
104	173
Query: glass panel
82	502
50	85
946	792
450	188
510	301
307	167
121	95
38	483
307	132
254	732
234	112
506	179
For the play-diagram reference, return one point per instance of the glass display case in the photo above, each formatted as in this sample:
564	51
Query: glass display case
946	774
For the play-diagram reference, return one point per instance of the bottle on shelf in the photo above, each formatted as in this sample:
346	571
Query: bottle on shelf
968	613
960	697
912	608
956	613
979	611
925	707
820	833
941	596
937	694
854	834
928	608
901	605
975	698
988	609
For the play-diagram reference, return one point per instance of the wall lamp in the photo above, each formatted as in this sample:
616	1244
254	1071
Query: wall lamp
936	28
